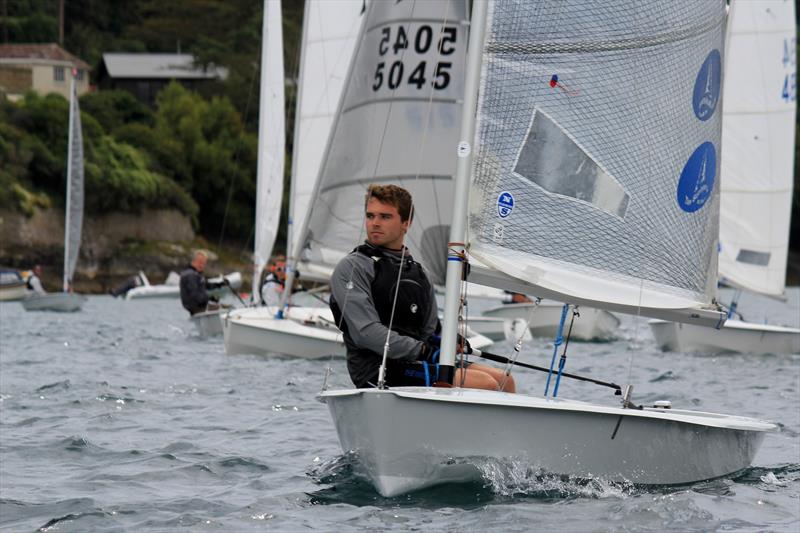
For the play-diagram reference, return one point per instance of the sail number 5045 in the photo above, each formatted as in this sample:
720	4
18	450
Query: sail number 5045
398	41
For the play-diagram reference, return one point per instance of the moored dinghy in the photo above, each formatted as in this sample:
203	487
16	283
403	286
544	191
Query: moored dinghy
68	301
758	130
603	150
543	320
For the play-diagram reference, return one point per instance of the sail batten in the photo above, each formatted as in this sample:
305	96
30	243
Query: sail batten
598	184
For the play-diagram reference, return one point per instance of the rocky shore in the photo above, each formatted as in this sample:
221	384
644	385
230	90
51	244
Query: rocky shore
114	248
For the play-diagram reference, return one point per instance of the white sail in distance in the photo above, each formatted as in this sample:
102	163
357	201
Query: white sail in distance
398	120
758	133
271	140
330	29
73	223
599	186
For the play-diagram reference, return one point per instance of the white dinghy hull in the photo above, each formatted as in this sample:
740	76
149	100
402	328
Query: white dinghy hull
307	332
592	324
734	336
153	291
208	323
64	302
407	438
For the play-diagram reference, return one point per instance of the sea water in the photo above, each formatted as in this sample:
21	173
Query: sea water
120	418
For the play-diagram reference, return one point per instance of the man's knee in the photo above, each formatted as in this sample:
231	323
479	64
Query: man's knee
475	379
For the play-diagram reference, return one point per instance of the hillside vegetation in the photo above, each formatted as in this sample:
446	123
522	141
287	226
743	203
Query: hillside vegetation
195	152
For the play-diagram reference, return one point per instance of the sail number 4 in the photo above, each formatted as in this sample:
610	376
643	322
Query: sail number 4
402	49
789	60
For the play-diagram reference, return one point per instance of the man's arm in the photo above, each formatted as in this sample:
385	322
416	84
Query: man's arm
351	288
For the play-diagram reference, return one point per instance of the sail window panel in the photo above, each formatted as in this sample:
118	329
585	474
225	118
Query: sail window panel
753	257
555	162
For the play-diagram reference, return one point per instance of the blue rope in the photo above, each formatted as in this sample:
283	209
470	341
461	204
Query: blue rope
734	303
558	341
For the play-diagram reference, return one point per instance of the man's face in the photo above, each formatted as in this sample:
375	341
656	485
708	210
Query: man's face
199	263
384	227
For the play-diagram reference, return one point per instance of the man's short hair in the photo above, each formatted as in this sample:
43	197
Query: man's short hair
392	195
199	253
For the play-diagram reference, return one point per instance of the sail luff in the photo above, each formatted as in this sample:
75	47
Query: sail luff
73	212
458	227
271	140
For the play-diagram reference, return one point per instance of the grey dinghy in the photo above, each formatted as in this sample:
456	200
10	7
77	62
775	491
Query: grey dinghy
409	438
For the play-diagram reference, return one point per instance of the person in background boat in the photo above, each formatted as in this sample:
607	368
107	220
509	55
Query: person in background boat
517	298
130	283
363	298
274	282
34	282
194	286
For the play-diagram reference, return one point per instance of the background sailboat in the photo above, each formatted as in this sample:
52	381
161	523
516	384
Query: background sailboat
757	177
73	223
271	156
329	31
626	137
369	110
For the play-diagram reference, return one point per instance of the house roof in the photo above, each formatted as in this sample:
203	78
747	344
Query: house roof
169	66
49	52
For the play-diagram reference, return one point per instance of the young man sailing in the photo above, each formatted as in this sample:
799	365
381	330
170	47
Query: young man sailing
365	299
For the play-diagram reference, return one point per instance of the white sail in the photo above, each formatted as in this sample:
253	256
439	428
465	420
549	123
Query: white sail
73	223
271	140
330	28
758	133
400	112
599	185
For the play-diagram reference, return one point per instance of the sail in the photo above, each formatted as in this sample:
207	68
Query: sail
330	29
758	133
597	147
397	122
73	224
271	140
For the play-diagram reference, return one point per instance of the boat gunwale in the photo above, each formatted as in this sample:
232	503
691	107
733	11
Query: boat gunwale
503	399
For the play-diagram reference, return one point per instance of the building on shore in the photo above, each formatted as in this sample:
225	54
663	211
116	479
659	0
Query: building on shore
144	75
43	68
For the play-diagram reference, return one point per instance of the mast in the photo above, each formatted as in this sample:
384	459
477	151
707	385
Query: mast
456	247
70	140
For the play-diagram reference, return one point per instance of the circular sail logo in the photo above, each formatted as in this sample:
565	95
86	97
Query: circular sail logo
697	178
706	86
505	204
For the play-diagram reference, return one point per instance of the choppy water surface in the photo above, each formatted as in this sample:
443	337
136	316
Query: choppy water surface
119	418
